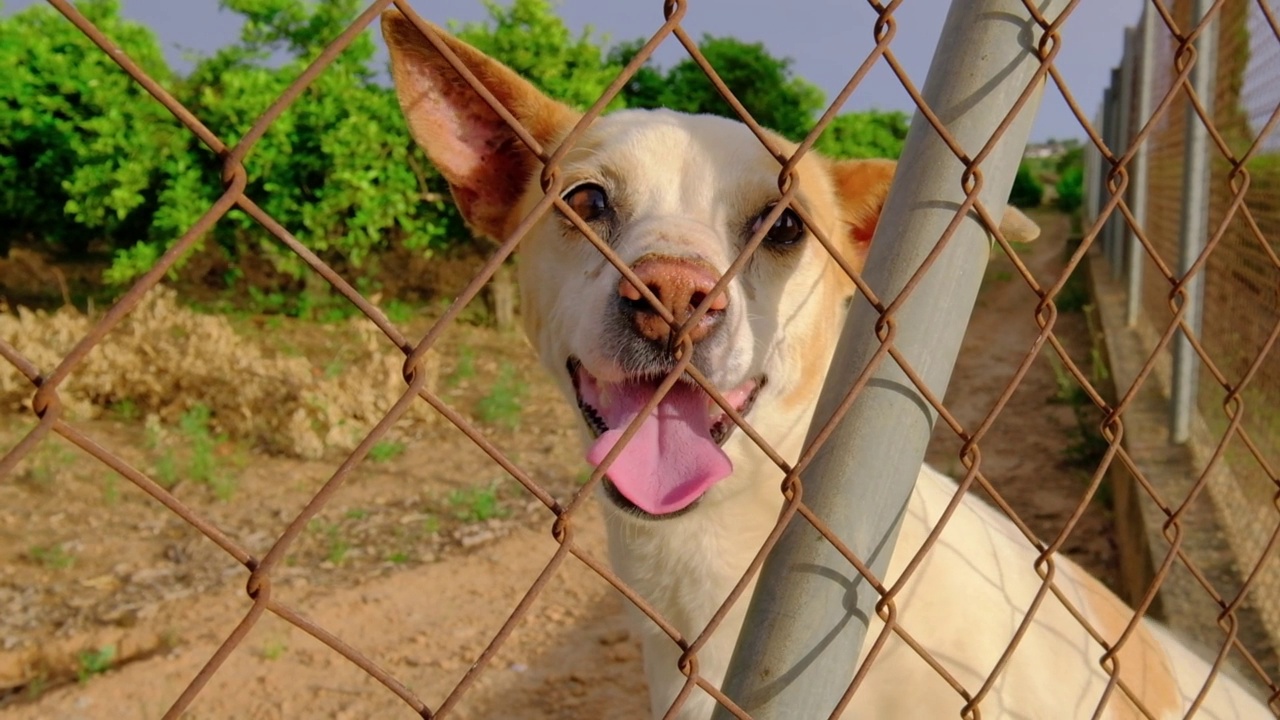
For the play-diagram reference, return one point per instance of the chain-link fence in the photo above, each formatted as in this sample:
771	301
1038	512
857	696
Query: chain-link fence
1189	130
1238	261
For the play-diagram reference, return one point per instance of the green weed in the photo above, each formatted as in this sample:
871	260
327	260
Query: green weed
52	557
1087	446
385	450
126	409
37	685
193	454
398	311
477	504
95	662
47	462
336	544
465	369
273	650
111	490
1074	296
334	368
431	525
503	404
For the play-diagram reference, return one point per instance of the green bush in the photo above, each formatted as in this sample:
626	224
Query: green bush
337	169
1070	189
870	134
765	85
1027	191
87	157
82	146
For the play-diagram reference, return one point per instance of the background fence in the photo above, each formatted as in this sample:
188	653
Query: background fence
1197	254
1239	266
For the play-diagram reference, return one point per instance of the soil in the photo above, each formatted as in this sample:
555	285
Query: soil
109	604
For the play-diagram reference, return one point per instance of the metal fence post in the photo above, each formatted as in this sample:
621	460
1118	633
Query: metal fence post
1138	178
1194	230
1106	234
1123	138
1092	173
807	621
1100	166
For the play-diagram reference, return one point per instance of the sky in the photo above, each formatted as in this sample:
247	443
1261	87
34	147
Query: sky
826	39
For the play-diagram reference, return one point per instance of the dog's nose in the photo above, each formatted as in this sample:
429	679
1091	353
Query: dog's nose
681	285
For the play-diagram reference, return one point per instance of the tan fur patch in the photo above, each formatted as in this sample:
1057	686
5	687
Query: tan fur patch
1144	666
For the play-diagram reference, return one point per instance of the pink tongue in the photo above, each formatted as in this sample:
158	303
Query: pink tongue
672	460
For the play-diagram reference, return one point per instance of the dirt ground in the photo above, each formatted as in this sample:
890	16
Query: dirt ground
109	604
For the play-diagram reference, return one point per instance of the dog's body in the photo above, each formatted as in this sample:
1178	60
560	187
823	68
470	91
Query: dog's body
676	197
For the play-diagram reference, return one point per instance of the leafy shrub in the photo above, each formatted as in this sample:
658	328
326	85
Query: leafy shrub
337	169
1070	189
870	134
528	37
765	85
81	144
1027	191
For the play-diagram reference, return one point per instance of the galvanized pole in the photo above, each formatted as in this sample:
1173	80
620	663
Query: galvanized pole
1092	173
807	621
1098	174
1194	230
1138	178
1104	192
1125	136
1115	140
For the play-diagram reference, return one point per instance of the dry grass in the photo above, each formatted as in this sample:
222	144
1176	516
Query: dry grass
164	359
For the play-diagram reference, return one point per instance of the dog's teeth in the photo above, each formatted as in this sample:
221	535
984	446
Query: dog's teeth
592	416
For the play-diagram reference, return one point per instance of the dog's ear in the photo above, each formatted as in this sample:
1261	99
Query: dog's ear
484	161
861	187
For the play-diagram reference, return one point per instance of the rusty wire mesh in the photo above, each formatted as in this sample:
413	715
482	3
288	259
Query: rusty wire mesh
1242	249
1237	436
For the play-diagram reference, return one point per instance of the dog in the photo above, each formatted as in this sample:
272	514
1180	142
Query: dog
689	499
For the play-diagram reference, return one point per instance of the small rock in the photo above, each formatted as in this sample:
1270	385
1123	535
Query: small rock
613	637
477	538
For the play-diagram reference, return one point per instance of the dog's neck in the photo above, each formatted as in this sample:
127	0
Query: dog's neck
685	567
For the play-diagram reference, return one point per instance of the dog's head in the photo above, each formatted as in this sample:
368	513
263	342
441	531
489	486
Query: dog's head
676	197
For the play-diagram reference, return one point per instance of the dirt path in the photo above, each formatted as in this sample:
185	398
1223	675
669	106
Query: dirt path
1028	452
572	658
427	620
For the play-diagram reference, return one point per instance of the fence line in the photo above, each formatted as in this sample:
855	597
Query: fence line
1200	261
1245	380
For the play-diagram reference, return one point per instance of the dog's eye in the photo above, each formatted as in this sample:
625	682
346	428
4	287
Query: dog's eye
589	201
787	230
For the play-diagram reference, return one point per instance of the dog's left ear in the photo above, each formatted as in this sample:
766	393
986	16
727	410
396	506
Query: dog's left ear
485	162
861	187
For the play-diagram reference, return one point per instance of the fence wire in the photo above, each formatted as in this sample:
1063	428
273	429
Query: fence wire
1242	322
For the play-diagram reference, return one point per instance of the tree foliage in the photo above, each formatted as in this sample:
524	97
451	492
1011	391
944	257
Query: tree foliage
528	37
765	85
870	134
337	167
1027	190
88	157
81	144
1070	184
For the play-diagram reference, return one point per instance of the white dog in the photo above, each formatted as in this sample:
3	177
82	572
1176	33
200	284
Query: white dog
677	196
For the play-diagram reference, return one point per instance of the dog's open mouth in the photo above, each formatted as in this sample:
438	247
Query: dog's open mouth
675	455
